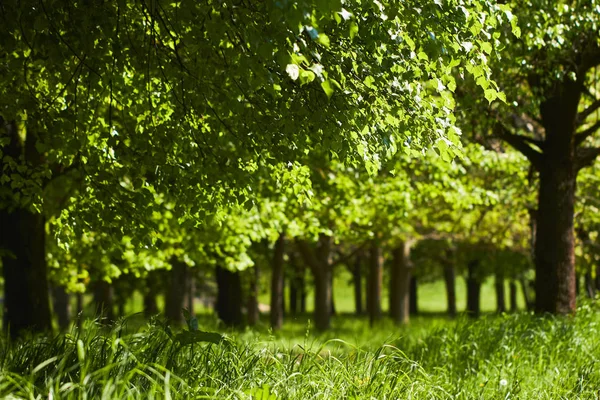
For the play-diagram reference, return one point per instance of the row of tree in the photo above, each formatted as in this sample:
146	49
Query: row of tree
136	134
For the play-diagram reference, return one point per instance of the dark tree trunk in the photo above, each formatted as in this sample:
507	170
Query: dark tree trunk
554	244
302	288
79	306
26	300
332	286
500	295
229	297
297	289
513	296
450	281
191	295
150	291
375	282
61	302
400	276
413	302
473	289
104	301
253	313
598	277
277	282
590	290
176	292
357	283
320	264
526	295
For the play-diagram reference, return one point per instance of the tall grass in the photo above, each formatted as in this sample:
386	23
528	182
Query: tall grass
508	356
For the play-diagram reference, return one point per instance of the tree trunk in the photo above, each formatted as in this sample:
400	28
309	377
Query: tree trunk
375	282
473	289
61	302
253	313
450	280
229	296
277	283
413	302
320	264
176	292
332	286
104	301
513	296
500	295
590	290
400	276
526	295
357	283
191	295
26	300
150	291
554	244
598	277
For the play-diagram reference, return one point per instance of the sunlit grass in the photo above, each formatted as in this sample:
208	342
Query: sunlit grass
497	357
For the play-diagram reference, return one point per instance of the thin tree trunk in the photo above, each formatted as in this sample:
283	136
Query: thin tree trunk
357	283
590	290
62	306
277	284
450	281
473	289
104	300
176	292
150	291
413	302
513	296
400	283
253	312
500	295
229	296
375	282
332	286
526	295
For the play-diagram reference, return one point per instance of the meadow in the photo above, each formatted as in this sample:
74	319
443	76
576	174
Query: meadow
495	357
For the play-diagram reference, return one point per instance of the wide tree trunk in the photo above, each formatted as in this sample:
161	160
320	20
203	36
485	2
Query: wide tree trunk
176	292
375	282
277	282
400	276
229	297
500	292
320	264
357	283
26	300
473	289
104	301
555	242
413	302
450	281
513	296
253	312
61	302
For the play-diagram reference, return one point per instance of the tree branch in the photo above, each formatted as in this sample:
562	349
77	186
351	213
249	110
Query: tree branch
586	156
581	136
521	143
343	258
588	111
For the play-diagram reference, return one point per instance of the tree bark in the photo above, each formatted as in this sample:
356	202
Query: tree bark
357	283
500	293
590	289
413	302
229	297
400	276
26	300
191	291
473	289
104	301
277	283
176	292
61	301
375	283
253	312
450	281
554	245
513	296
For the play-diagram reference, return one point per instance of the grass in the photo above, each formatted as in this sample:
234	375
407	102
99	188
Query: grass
497	357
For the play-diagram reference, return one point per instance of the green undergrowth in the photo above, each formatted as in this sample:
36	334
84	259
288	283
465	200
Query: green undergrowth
497	357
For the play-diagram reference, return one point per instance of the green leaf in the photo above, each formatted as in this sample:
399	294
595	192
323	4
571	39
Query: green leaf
491	95
327	88
353	30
